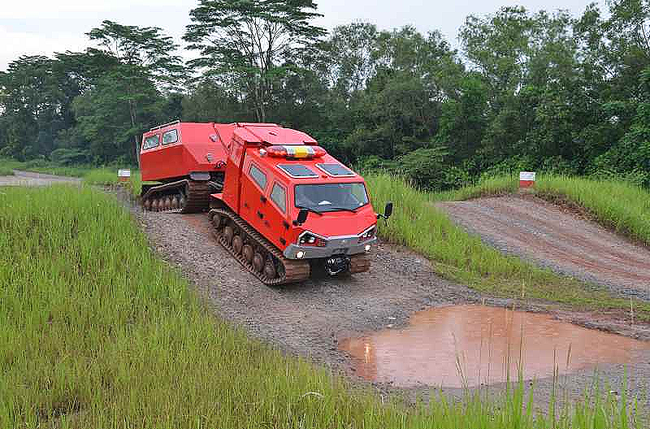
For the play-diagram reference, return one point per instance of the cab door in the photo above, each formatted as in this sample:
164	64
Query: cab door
278	220
253	202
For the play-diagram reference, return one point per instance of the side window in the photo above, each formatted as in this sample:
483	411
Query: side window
150	142
279	197
258	176
170	136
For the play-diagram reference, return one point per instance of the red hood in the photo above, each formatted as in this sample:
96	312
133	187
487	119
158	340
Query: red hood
332	224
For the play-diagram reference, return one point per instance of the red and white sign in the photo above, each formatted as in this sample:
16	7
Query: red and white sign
526	179
123	175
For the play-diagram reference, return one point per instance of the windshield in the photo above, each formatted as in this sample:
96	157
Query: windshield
331	196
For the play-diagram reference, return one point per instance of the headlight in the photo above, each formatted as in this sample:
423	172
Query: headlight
368	234
367	247
308	239
300	254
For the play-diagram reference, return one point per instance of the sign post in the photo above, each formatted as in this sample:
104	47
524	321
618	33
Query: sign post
526	180
123	175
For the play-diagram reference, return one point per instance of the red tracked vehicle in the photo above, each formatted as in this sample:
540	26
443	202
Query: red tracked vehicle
279	203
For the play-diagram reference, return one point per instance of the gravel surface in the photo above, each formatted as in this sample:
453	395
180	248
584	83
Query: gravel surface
24	178
542	232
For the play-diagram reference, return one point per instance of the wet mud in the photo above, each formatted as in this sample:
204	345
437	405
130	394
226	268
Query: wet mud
473	345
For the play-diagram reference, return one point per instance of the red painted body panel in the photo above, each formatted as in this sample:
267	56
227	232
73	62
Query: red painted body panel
194	151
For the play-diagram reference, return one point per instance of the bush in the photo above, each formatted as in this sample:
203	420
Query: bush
64	156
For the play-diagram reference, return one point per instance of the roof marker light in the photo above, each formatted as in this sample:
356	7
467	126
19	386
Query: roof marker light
296	152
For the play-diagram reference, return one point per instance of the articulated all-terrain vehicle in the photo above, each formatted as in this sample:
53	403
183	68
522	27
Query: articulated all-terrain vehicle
279	203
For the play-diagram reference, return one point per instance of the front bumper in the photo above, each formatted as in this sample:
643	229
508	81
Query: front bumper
335	246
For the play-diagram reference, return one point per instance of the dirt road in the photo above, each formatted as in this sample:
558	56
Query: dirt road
310	319
24	178
545	234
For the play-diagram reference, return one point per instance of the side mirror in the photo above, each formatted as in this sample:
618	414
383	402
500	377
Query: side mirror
302	216
388	211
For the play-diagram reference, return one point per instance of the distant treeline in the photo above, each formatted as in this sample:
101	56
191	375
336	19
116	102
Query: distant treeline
542	91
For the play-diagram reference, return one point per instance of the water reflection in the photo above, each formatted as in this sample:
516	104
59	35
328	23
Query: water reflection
473	344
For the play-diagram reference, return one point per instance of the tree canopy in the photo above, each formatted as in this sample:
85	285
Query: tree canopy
537	91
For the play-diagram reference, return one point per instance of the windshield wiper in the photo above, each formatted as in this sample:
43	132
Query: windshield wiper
347	209
310	209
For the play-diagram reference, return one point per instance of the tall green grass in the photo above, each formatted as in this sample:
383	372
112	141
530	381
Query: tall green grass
462	257
489	186
7	166
100	176
96	332
618	205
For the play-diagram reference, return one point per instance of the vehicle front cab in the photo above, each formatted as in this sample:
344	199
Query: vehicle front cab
326	208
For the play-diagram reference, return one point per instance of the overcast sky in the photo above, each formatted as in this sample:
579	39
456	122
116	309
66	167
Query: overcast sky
47	26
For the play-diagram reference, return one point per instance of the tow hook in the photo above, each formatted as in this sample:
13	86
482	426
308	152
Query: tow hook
337	265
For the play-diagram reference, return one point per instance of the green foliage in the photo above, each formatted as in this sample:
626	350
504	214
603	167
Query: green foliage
97	332
70	156
536	91
246	42
426	168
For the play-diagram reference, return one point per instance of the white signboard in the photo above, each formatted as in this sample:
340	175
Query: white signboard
527	176
123	173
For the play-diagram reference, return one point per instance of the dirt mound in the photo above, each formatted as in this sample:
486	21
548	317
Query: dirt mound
542	232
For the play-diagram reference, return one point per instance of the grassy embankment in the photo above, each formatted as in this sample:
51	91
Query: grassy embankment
95	331
91	175
464	258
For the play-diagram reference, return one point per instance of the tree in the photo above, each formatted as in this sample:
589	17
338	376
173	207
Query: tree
144	62
34	105
246	42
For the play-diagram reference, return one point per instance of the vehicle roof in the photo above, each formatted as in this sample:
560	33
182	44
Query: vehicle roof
269	163
256	134
194	132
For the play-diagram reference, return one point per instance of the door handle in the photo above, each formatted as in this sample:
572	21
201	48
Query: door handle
263	198
260	214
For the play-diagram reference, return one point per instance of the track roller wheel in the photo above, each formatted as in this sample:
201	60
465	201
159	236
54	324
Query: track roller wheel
237	244
258	262
167	203
257	255
248	252
216	221
154	205
228	234
181	202
269	269
147	204
175	202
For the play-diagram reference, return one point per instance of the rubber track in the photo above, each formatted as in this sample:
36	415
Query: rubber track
294	271
359	264
197	194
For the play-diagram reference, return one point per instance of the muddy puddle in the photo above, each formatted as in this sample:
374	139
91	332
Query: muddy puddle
472	345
